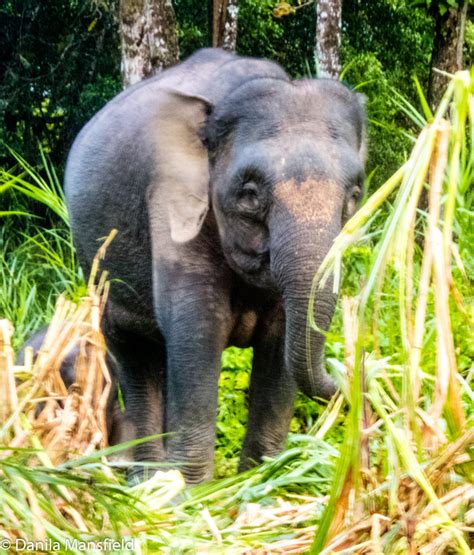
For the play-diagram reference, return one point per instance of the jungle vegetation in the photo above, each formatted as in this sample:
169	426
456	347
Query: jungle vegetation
387	465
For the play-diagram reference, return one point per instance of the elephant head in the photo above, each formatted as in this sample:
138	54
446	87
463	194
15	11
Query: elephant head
281	166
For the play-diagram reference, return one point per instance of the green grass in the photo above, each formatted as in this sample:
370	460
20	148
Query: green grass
305	469
37	260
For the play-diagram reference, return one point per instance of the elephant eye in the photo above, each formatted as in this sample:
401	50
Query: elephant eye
356	193
352	202
248	199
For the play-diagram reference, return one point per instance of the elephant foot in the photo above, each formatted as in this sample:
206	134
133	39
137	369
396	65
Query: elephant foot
195	469
253	454
137	474
193	474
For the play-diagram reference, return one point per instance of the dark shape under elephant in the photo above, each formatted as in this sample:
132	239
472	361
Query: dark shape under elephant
227	183
115	419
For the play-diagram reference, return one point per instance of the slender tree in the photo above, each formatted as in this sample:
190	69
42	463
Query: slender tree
224	24
328	37
149	38
447	54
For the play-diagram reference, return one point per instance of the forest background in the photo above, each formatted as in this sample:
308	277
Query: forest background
60	61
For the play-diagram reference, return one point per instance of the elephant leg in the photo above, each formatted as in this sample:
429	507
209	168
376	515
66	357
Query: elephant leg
197	334
271	397
140	369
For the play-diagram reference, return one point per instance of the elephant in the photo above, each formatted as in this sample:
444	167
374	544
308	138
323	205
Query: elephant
116	428
227	183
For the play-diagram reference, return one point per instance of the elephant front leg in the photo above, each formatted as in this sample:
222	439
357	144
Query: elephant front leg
271	398
197	335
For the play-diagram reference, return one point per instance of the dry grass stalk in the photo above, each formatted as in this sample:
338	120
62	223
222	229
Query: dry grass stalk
8	391
425	502
72	421
446	360
67	423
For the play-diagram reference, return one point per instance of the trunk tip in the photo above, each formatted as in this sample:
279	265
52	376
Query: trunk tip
321	386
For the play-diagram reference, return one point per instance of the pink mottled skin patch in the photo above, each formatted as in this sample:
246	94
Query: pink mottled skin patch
311	200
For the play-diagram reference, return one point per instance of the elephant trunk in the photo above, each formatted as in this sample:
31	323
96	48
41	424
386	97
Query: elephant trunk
294	266
304	347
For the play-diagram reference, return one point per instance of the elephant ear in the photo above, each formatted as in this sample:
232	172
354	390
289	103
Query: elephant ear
362	102
183	168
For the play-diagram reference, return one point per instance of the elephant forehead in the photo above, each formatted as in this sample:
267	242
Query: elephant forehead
310	200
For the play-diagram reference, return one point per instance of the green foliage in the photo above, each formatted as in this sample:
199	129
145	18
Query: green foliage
59	65
418	305
193	26
288	41
36	266
109	508
440	6
399	37
37	263
232	413
469	44
388	141
385	44
51	86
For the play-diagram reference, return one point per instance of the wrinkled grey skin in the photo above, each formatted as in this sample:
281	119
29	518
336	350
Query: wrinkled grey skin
114	415
227	183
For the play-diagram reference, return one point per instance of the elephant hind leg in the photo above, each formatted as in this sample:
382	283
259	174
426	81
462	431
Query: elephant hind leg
140	364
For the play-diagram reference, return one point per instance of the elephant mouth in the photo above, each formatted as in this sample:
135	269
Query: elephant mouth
250	261
253	267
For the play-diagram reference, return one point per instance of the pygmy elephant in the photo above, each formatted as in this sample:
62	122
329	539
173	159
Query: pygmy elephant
227	183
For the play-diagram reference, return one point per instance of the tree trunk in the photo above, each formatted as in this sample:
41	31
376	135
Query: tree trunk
224	24
328	37
149	38
447	54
